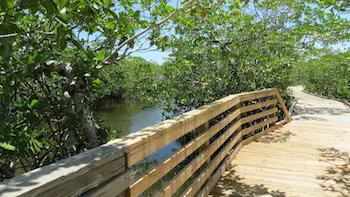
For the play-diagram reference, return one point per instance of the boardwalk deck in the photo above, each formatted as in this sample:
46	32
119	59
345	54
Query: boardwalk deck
303	158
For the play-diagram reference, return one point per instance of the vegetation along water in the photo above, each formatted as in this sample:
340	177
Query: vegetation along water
61	61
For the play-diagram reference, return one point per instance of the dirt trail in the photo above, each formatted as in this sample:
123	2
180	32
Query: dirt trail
313	108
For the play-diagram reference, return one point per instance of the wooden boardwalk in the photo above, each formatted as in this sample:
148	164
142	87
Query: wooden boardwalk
289	158
303	158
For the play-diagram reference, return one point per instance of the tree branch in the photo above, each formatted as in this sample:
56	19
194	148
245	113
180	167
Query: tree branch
158	23
16	34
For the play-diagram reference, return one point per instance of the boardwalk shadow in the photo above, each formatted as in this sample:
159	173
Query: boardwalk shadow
232	185
310	118
279	136
337	176
320	110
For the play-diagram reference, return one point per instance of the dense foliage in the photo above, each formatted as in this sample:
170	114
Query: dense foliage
245	47
328	75
131	79
51	55
59	57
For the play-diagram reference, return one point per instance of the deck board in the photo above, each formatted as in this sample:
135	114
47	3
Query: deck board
303	158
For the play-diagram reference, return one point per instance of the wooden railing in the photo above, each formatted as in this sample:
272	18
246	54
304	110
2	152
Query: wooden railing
218	132
141	144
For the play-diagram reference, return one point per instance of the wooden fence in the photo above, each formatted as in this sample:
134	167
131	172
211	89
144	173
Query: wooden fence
218	132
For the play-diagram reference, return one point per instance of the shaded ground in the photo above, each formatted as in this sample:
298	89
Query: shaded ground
307	157
337	176
233	185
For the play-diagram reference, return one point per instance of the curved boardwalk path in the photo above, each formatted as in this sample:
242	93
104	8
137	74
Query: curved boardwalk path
306	157
312	108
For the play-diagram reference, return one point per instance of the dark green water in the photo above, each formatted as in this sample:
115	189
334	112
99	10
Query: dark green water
128	117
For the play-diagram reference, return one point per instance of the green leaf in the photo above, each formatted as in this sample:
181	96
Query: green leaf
61	20
25	4
96	82
63	3
39	144
34	103
63	43
7	146
76	43
101	55
50	6
8	28
61	37
6	4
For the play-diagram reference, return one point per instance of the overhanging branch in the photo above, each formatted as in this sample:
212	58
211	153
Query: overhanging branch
158	23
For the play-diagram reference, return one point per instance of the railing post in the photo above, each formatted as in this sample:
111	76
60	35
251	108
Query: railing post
238	119
237	107
274	114
127	192
283	106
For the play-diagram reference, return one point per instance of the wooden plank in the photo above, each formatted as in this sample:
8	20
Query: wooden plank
281	152
282	122
93	178
259	125
219	172
292	166
258	105
112	187
201	179
293	174
192	167
246	96
298	147
71	176
258	135
162	169
258	115
275	160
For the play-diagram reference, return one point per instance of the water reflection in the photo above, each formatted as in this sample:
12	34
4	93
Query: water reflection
128	117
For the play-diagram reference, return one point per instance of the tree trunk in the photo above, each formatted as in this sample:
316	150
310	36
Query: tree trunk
94	134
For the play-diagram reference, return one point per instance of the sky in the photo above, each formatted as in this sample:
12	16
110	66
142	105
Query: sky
160	57
157	56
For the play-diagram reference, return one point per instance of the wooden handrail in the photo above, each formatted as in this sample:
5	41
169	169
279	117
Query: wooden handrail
73	176
143	143
108	170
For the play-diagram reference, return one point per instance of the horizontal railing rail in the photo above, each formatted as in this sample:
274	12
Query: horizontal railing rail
217	132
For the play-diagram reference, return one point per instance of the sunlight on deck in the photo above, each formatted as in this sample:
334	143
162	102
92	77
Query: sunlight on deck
302	158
